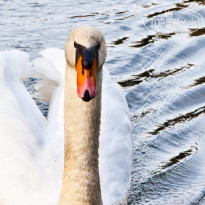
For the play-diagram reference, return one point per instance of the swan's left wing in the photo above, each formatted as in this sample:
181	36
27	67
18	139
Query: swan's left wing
21	133
50	68
31	146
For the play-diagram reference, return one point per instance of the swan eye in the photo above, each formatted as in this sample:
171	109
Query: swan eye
76	45
98	46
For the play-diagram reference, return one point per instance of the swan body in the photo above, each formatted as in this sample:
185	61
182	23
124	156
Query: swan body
32	147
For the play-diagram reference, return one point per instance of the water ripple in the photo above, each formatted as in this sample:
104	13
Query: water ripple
197	32
120	41
162	74
178	8
148	75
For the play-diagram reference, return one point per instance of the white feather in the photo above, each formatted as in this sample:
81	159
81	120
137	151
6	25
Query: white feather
31	147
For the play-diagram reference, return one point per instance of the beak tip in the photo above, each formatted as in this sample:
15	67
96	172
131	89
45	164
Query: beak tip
86	96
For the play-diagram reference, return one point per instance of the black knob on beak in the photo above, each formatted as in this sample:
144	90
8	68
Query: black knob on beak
86	97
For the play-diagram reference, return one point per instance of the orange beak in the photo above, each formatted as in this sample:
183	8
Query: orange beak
86	79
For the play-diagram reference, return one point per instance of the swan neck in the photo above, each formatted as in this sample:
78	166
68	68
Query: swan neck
81	182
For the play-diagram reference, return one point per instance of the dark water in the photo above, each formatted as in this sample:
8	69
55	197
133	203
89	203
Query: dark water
161	71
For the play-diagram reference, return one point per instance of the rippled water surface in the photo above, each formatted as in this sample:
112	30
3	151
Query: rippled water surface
162	73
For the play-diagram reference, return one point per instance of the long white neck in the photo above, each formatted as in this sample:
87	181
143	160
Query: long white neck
81	183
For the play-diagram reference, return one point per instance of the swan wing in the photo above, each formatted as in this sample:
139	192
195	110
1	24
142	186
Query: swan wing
115	143
31	164
50	68
21	130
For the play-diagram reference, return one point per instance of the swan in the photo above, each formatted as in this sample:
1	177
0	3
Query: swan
78	154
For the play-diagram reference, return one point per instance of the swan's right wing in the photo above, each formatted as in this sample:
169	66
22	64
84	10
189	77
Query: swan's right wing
115	143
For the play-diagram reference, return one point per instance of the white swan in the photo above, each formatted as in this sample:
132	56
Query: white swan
31	147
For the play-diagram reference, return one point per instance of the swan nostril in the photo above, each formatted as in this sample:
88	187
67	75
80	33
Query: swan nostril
86	96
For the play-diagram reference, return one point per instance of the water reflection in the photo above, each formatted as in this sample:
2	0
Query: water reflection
124	18
182	118
84	16
177	8
201	2
121	12
148	75
151	39
181	156
120	41
197	32
199	81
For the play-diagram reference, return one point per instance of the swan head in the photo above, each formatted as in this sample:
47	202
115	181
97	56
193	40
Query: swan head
85	52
